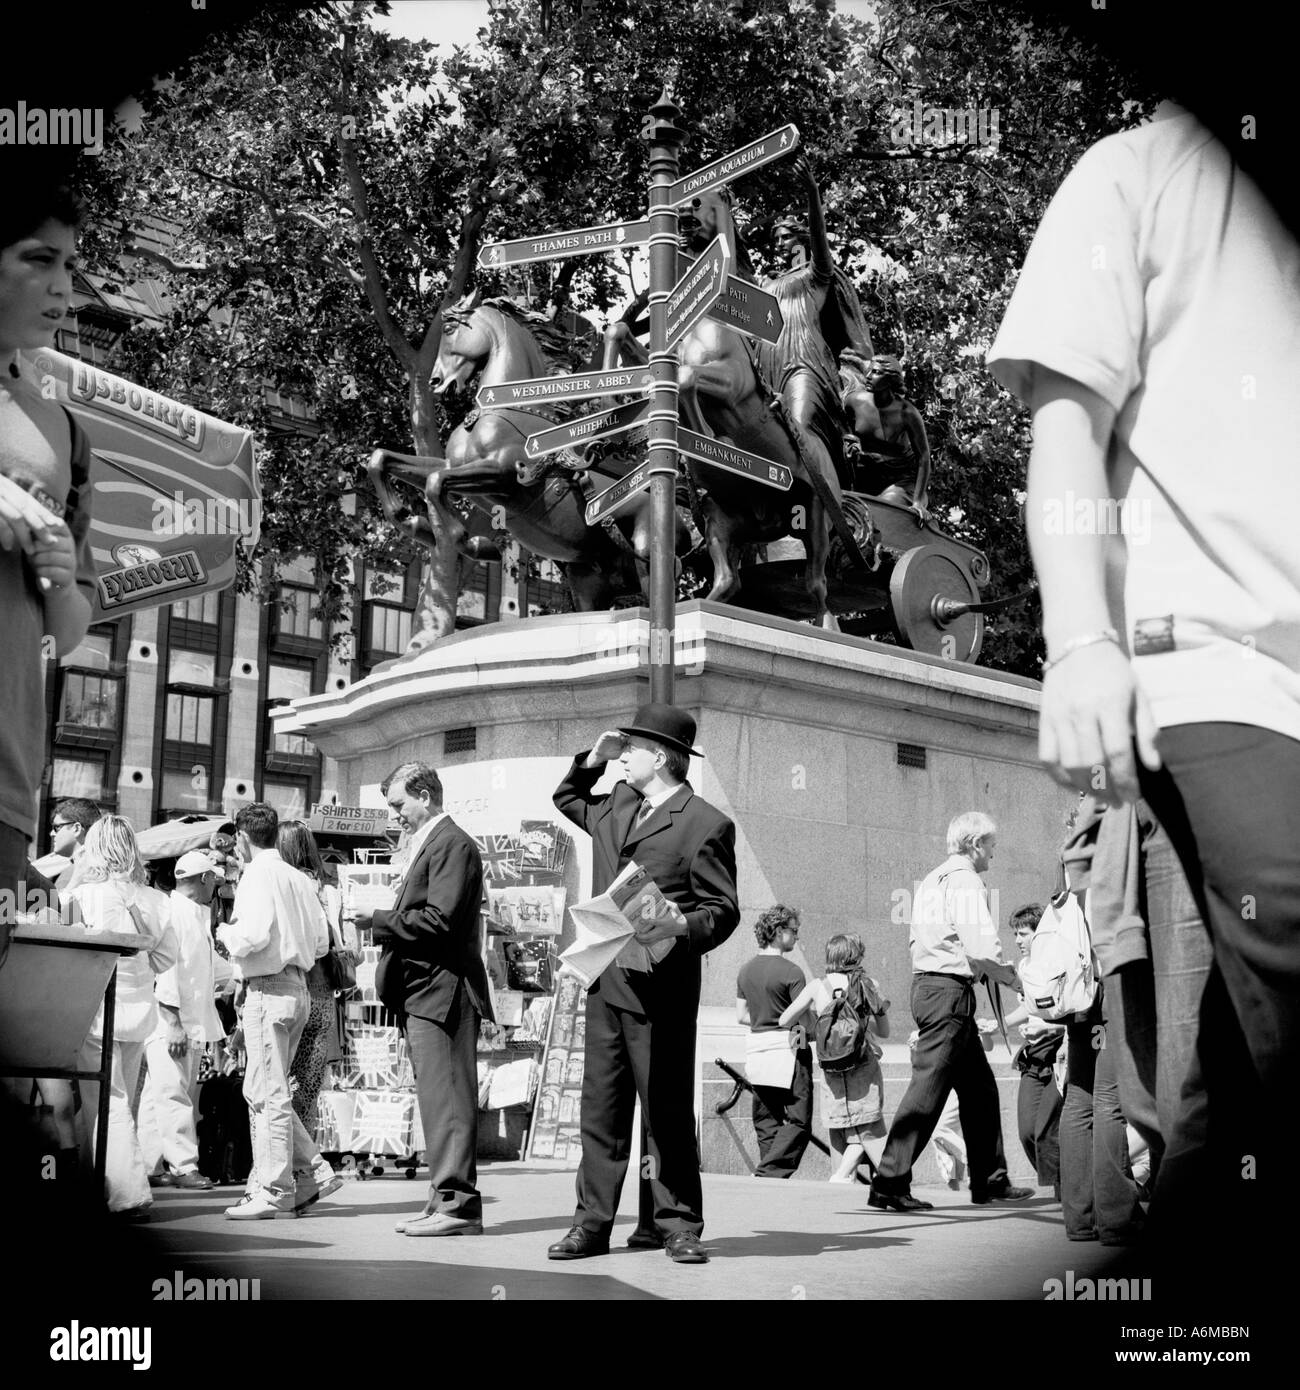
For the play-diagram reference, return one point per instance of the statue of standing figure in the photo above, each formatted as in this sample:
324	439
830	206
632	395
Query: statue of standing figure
822	320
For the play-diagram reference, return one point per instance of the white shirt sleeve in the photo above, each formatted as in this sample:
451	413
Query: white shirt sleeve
1079	305
254	915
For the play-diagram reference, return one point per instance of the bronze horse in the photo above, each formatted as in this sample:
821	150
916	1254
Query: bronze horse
543	508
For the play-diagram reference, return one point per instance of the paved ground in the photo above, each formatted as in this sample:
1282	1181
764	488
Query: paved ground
767	1240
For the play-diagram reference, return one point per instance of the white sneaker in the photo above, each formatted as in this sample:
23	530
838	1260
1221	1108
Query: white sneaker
256	1207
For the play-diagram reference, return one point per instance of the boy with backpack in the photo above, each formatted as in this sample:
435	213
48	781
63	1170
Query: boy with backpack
847	1015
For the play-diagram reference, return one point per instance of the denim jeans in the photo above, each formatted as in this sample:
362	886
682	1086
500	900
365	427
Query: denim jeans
1153	1006
275	1013
1229	796
1098	1194
1038	1111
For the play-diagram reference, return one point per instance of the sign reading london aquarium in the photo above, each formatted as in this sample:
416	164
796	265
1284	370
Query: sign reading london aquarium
175	491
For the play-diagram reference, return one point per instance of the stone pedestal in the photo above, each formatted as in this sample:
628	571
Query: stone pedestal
840	760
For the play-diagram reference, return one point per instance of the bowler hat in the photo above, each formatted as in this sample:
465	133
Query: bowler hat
665	724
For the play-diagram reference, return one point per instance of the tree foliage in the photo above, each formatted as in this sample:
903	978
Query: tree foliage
327	189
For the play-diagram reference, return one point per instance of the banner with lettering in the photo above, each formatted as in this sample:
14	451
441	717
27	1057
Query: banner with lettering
176	491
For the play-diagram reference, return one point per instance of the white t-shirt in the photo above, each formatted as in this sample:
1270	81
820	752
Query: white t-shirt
1161	278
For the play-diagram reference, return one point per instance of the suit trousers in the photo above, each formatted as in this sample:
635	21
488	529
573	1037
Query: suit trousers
629	1056
444	1057
948	1056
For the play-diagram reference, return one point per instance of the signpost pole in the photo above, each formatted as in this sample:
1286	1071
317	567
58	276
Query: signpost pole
664	137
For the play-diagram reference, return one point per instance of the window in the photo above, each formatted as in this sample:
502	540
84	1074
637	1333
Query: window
77	777
292	614
186	791
94	652
189	718
546	591
288	798
390	628
90	702
387	618
191	668
285	683
205	608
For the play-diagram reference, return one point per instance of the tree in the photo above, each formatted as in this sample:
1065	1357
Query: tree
329	188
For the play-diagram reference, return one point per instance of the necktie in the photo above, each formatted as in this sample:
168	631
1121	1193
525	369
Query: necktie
643	813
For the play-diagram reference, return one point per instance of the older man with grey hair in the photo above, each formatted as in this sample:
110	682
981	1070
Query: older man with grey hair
954	943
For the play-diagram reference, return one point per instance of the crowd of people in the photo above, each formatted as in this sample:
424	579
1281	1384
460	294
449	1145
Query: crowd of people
1151	334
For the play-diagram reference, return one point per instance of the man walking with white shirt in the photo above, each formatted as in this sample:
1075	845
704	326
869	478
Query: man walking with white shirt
277	933
188	1019
954	943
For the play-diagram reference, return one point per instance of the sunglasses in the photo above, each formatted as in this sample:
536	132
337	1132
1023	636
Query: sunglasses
61	824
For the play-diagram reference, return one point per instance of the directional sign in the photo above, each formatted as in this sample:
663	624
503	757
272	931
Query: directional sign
579	386
731	166
599	426
720	455
606	503
745	307
559	246
690	298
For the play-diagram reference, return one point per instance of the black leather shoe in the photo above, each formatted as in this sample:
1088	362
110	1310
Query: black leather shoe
887	1201
1003	1192
579	1244
642	1239
684	1248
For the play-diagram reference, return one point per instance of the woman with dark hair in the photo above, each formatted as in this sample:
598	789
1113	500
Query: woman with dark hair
320	1042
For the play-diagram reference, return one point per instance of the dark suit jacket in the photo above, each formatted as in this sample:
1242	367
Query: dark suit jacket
689	849
436	924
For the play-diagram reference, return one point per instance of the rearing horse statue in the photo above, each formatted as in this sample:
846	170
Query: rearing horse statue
543	508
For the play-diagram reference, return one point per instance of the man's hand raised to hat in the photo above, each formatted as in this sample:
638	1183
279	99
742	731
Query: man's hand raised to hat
608	746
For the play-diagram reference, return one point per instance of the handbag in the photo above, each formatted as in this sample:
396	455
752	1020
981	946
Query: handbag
338	962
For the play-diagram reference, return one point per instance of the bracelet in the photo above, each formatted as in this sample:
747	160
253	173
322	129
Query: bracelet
1089	639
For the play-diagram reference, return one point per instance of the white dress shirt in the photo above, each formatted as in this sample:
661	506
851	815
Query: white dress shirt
191	983
951	921
416	842
278	919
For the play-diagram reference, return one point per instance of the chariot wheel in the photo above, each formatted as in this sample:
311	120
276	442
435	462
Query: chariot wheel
927	585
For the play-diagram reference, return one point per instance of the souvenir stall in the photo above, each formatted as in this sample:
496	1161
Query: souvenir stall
368	1109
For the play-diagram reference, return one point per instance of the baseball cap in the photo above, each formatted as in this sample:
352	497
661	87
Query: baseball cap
195	862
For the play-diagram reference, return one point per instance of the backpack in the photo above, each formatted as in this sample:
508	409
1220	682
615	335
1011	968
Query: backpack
1058	977
841	1033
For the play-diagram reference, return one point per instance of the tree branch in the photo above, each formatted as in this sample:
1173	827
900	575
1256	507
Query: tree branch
372	280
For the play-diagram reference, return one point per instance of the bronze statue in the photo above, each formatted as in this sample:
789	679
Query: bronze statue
895	449
540	503
822	320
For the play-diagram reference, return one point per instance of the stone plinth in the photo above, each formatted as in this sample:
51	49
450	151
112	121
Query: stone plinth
840	760
810	741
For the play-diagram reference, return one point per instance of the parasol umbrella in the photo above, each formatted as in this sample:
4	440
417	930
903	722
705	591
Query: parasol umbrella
173	838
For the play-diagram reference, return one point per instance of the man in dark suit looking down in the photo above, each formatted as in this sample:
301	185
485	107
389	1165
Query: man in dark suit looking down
431	976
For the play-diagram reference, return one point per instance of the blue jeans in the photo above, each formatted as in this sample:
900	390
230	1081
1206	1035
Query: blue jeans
1098	1194
1153	1006
1229	796
275	1013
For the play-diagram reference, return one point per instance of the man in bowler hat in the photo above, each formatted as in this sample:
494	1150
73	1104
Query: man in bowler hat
641	1024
